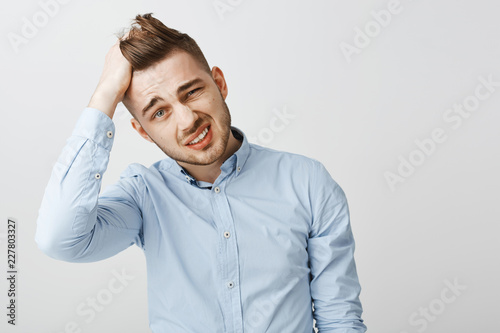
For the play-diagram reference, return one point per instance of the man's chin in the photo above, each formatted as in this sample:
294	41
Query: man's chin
200	158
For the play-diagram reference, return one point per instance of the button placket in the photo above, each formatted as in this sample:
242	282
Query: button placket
229	252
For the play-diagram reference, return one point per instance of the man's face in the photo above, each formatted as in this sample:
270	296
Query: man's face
175	102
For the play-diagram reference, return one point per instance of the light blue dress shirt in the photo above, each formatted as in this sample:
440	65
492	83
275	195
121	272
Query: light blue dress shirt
248	253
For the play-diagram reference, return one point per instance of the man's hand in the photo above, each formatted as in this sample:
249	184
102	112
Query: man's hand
114	82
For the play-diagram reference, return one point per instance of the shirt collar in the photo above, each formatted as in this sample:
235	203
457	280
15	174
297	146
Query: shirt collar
234	163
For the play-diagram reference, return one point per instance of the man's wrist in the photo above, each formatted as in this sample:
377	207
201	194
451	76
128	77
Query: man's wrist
105	101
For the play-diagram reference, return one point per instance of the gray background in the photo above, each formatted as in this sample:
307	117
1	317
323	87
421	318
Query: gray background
361	115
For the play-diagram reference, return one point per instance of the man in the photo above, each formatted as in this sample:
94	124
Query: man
237	237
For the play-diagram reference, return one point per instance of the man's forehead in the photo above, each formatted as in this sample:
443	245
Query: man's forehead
170	72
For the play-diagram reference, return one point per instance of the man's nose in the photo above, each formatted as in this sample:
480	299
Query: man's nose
185	117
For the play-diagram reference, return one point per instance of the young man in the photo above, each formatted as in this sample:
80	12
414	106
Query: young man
237	237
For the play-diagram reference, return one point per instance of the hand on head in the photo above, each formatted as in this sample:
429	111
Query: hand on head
114	81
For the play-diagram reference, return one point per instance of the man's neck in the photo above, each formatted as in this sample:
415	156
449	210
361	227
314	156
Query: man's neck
209	173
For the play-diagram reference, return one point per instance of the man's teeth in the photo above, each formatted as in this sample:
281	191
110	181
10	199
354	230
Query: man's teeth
200	137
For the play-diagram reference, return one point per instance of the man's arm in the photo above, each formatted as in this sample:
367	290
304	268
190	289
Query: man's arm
74	223
334	282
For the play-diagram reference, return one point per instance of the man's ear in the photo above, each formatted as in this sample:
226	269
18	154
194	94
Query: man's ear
137	126
219	80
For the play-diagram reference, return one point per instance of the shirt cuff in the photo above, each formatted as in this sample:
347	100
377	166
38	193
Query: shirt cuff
95	125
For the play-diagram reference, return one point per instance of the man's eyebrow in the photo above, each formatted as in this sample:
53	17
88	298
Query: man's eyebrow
188	85
152	103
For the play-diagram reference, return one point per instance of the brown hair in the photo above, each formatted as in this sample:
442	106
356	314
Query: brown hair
150	41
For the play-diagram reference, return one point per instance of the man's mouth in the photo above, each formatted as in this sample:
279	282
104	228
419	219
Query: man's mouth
200	137
202	140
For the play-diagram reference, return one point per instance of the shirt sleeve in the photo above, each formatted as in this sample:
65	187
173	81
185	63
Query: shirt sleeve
334	282
76	224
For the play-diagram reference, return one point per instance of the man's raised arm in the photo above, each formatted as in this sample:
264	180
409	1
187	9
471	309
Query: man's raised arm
74	223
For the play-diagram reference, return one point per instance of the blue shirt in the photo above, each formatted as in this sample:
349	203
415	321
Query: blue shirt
249	253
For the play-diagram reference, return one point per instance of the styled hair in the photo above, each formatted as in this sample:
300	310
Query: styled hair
149	41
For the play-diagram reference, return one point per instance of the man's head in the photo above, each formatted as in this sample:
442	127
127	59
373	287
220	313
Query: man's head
173	96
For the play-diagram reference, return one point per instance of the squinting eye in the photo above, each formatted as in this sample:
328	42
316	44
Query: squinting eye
192	92
159	113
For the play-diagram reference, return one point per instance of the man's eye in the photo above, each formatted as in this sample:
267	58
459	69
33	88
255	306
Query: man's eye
192	92
160	113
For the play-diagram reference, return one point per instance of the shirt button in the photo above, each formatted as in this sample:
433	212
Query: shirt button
109	134
230	284
227	234
217	189
97	176
187	177
239	169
